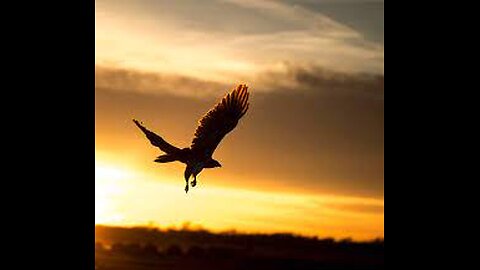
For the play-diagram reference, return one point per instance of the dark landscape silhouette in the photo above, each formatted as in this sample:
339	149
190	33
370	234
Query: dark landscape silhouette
152	248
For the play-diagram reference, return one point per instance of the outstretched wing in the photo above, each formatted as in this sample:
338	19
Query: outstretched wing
220	120
156	140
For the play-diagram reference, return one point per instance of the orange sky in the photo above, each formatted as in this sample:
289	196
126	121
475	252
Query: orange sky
308	156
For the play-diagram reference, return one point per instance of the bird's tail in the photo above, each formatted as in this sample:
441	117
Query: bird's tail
166	158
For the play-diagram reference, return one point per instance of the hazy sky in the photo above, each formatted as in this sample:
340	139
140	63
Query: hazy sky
307	157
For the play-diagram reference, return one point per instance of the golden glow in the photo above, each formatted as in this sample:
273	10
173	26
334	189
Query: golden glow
108	186
137	198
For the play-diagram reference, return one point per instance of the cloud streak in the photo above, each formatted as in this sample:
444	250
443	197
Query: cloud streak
127	80
294	79
223	41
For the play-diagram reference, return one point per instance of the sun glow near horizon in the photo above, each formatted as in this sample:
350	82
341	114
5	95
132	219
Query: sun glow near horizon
108	185
128	197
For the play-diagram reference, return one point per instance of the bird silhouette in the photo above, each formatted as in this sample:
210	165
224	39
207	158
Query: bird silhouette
212	128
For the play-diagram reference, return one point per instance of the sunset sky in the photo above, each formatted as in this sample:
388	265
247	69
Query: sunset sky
307	158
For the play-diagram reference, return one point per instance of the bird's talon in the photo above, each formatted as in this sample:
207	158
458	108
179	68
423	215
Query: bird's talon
194	183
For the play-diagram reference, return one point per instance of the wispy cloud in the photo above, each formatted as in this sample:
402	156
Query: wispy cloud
227	40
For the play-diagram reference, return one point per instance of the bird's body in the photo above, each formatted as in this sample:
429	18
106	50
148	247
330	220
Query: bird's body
219	121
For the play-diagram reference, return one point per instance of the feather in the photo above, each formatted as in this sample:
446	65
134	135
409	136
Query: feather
156	140
219	121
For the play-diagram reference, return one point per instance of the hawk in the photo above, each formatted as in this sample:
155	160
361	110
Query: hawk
219	121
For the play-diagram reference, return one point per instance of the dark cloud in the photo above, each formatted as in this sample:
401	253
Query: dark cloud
319	79
119	79
316	80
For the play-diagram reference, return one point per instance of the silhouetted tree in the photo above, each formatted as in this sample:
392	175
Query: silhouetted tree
196	252
207	250
150	250
99	247
174	251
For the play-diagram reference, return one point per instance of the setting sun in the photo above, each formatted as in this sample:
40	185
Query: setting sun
108	185
138	199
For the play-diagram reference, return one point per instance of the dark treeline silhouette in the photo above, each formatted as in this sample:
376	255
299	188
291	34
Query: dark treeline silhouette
151	248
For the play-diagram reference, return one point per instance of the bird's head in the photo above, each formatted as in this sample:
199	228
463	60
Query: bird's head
212	163
216	164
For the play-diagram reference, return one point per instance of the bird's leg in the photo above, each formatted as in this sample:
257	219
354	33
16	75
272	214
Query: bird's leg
194	182
187	177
